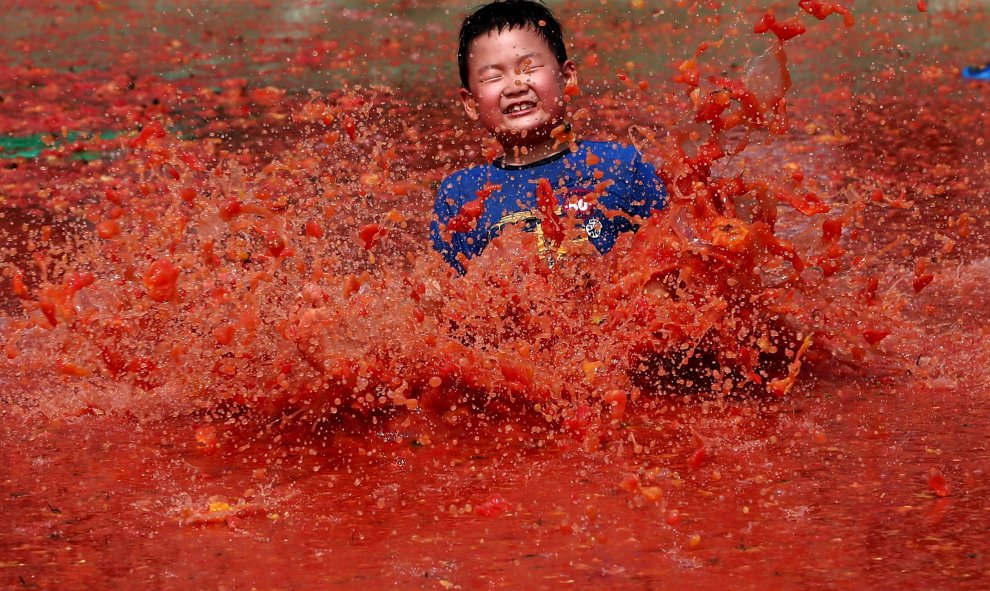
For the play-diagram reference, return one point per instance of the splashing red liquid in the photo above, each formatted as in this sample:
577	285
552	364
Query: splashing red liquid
222	321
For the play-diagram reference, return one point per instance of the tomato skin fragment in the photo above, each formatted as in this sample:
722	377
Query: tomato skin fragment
938	484
784	30
921	278
781	386
764	24
113	360
788	29
821	10
921	282
730	233
689	74
370	234
350	127
107	229
831	230
160	280
207	255
47	308
313	229
546	202
274	242
112	196
153	129
713	106
809	204
72	369
351	286
517	374
875	335
869	293
17	284
224	334
494	506
467	217
229	209
77	280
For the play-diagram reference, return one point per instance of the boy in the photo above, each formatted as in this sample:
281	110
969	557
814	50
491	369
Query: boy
516	79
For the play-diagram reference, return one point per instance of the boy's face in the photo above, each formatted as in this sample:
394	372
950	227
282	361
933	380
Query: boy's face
516	86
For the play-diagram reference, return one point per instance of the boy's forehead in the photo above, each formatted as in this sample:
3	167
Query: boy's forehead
517	41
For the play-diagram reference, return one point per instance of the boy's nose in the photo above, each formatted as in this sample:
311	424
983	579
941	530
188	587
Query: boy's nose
517	84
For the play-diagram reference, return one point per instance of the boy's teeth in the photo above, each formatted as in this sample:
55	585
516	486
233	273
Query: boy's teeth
519	107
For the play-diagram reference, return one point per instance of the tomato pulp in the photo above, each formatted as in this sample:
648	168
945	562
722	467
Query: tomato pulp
230	358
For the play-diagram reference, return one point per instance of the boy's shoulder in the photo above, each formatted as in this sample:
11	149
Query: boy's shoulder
616	161
586	152
616	158
468	174
619	149
460	185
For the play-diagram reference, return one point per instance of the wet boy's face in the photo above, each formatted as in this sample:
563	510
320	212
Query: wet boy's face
516	87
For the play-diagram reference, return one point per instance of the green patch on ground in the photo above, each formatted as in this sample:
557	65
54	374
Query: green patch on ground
31	146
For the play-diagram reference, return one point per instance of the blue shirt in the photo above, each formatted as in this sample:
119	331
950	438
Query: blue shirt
630	186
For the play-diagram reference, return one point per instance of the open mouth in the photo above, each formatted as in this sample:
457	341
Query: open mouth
519	107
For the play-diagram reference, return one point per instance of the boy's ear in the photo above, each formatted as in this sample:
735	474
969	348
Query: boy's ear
569	71
470	105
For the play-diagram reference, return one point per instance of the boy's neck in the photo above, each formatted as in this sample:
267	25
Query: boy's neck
523	155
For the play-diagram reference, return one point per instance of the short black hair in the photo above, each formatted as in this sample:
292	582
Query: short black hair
510	14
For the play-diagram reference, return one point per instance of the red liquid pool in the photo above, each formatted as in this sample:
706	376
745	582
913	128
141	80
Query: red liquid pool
230	359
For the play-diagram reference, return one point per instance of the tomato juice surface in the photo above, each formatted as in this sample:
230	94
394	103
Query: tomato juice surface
230	359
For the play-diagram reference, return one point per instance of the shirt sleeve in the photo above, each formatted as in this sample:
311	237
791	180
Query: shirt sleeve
443	210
